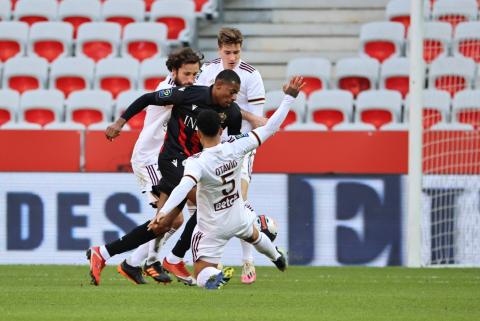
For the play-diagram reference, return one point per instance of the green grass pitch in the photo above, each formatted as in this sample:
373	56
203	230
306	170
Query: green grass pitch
302	293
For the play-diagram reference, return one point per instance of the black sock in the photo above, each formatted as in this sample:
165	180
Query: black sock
183	244
130	241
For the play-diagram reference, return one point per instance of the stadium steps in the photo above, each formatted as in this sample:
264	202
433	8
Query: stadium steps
279	30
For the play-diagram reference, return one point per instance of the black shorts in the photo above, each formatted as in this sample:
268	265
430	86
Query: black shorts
172	173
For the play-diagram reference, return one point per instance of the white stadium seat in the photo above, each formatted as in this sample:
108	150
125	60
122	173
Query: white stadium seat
32	11
63	125
116	75
50	40
379	107
69	74
9	102
436	40
382	40
451	74
123	12
5	10
330	107
466	107
21	125
89	107
273	100
78	12
466	41
178	16
436	107
316	72
98	40
41	106
25	73
354	127
13	39
356	74
310	127
142	40
455	11
152	72
394	74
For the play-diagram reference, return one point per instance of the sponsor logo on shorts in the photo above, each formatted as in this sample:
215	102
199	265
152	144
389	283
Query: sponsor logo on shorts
226	202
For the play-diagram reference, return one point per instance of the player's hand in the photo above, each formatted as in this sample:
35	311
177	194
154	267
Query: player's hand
114	129
294	87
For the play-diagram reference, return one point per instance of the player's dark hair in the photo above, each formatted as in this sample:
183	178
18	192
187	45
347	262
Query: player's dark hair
208	122
183	56
229	76
229	36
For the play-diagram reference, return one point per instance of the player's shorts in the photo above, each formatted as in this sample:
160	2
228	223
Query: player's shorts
209	246
148	177
172	173
247	166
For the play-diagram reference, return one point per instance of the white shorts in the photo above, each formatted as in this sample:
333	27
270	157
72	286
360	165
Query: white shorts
209	246
247	166
147	176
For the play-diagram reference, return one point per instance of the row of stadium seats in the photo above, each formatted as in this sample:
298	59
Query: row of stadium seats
327	108
362	73
71	74
382	40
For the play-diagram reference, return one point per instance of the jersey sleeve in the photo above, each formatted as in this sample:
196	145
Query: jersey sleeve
192	169
178	194
244	143
256	93
163	97
202	77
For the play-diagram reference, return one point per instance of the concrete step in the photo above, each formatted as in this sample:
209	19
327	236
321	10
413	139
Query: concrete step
275	30
306	4
305	16
297	44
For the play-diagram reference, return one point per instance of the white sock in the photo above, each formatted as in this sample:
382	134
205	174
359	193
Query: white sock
205	274
140	254
104	252
247	251
266	247
154	247
173	259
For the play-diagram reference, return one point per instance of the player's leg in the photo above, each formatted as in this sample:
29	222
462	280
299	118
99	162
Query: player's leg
207	251
249	274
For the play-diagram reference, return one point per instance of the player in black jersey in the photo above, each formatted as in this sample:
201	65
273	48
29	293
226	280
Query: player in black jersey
181	142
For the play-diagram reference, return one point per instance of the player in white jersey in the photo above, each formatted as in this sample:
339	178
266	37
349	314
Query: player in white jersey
251	98
184	65
221	214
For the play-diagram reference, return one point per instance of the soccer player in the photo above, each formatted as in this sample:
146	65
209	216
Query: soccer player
181	142
184	65
221	214
251	98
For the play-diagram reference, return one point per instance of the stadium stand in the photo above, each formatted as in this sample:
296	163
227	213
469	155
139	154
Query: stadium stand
143	40
452	74
466	107
466	40
152	72
116	75
123	101
179	18
9	102
123	12
437	39
455	11
379	107
41	106
357	74
78	12
50	40
297	111
25	73
330	107
69	74
394	75
382	40
13	39
89	106
316	73
98	40
436	107
32	11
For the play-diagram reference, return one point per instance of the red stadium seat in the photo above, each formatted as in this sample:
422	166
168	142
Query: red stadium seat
379	107
330	107
466	107
152	72
148	5
9	101
451	74
316	73
123	12
89	107
394	75
178	16
274	98
98	40
70	74
381	40
455	11
143	40
356	74
50	40
25	73
436	40
466	40
13	39
116	75
436	107
41	106
123	101
33	11
78	12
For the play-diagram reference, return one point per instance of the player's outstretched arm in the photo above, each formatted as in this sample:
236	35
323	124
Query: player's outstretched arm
254	120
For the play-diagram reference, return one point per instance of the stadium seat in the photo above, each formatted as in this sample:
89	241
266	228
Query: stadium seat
98	40
50	40
274	98
466	40
21	126
178	16
436	40
13	39
436	107
9	102
78	12
206	8
5	10
330	107
64	125
354	127
148	5
394	127
394	75
316	72
379	107
89	106
452	74
152	72
123	101
381	40
41	106
69	74
142	40
116	75
123	12
399	11
452	127
357	74
309	127
466	107
32	11
25	73
455	11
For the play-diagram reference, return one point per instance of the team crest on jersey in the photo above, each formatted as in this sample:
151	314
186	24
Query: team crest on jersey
165	93
223	117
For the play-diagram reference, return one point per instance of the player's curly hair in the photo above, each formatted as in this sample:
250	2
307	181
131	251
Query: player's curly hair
183	56
229	36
